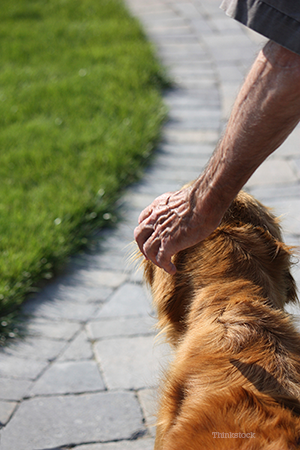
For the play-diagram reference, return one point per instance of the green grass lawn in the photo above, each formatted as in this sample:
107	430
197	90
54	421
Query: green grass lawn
80	111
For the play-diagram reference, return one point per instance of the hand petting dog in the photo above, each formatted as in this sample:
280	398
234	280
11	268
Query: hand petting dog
173	222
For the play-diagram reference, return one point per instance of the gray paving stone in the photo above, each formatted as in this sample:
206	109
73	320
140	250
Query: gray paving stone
164	23
255	37
230	73
191	66
229	91
183	48
136	277
79	348
195	71
289	212
141	359
296	272
297	167
129	242
194	124
194	82
103	261
125	231
218	41
35	348
206	98
266	193
201	26
107	278
13	367
124	234
244	66
291	145
212	9
140	7
69	290
195	150
178	73
59	309
173	31
128	301
173	136
114	243
169	162
137	201
14	389
166	39
121	326
295	242
181	98
159	188
148	399
51	422
140	444
234	53
207	118
71	377
187	10
174	56
181	165
38	327
180	175
6	410
223	25
273	171
132	222
157	17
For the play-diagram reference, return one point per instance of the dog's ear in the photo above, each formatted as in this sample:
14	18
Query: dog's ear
258	256
245	209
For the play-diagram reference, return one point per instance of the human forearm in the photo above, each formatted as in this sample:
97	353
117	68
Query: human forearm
266	110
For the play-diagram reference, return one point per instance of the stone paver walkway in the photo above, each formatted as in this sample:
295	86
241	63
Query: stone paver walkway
86	375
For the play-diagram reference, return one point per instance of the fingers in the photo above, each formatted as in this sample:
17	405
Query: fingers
154	242
147	220
145	213
156	251
164	261
151	247
141	235
152	233
158	203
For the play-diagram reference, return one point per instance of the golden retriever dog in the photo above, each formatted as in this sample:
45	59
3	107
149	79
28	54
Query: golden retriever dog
235	379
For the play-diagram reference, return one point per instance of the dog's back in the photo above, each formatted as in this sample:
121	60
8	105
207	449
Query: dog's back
235	380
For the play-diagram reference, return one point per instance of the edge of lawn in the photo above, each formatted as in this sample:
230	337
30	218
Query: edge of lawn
87	228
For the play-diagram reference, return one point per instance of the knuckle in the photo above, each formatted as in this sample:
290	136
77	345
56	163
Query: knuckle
162	258
136	233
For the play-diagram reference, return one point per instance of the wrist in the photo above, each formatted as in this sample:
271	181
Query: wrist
210	202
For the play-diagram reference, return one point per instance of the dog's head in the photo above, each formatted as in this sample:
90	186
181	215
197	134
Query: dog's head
247	245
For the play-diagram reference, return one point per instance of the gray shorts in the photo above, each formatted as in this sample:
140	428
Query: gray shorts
278	20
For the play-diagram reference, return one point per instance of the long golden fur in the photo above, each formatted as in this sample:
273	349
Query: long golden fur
235	379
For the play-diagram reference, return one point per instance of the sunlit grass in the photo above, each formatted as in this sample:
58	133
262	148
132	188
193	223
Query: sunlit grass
80	110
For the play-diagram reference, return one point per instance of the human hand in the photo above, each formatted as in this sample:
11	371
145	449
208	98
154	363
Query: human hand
172	223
